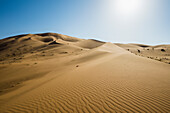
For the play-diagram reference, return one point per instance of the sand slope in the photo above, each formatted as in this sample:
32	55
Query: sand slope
84	76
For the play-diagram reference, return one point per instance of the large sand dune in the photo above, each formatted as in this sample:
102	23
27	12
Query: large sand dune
56	73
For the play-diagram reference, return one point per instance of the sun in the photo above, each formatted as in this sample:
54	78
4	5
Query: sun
125	8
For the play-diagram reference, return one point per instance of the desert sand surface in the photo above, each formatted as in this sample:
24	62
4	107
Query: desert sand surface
54	73
159	52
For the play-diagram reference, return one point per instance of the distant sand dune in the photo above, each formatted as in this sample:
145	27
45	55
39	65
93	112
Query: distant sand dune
159	52
90	44
83	76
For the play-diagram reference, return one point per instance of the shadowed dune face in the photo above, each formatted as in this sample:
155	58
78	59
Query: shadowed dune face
51	72
90	44
46	39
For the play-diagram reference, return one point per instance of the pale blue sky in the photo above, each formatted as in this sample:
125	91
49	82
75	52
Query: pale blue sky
117	21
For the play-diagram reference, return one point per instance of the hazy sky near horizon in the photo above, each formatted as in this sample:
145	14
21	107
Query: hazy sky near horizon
117	21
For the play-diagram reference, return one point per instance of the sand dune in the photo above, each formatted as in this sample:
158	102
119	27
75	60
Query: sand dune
78	75
159	52
89	44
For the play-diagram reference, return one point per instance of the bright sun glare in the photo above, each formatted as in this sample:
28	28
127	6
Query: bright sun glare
125	8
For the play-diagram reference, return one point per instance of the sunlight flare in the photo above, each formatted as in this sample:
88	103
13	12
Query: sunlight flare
125	8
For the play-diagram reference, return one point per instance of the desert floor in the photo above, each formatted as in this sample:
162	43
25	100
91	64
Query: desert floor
57	73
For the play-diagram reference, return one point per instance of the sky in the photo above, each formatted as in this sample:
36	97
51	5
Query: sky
117	21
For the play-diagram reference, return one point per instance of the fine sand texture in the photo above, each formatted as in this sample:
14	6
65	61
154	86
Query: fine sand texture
54	73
